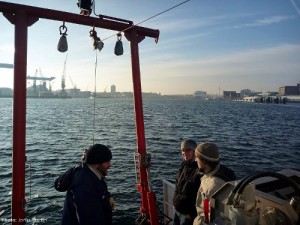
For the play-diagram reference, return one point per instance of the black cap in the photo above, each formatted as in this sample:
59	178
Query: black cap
98	154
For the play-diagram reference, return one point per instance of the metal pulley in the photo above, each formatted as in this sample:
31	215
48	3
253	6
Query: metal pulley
97	43
119	45
62	45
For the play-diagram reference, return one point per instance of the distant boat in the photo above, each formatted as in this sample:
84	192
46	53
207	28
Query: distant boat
200	94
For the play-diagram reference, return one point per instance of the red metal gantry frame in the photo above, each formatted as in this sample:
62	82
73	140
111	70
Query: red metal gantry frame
23	16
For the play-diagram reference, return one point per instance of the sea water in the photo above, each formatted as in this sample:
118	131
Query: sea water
251	137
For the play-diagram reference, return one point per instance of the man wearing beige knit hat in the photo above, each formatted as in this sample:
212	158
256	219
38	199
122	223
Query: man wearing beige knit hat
214	176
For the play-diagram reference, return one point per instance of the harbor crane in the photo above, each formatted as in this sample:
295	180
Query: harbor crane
35	78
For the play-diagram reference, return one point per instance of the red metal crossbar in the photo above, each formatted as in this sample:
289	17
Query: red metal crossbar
23	16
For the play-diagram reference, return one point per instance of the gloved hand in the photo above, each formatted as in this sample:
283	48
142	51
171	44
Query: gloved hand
112	203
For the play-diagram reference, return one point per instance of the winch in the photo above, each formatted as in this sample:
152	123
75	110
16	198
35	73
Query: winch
265	198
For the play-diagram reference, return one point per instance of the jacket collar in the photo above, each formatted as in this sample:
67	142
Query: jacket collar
96	172
211	173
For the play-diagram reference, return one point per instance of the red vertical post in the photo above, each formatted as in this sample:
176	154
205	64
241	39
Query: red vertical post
19	119
139	117
148	198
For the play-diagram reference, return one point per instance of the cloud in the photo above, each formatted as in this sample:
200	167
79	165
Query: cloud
256	69
275	60
266	21
212	25
273	19
175	25
285	52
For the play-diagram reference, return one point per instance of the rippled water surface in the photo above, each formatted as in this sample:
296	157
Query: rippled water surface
252	137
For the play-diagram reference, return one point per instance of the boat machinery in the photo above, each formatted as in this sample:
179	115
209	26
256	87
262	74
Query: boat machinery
264	198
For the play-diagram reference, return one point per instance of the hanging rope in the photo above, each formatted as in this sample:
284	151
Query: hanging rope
173	7
143	21
94	120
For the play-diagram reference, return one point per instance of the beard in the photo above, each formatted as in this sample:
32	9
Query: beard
103	170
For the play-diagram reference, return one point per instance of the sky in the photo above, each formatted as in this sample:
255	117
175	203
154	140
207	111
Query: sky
207	45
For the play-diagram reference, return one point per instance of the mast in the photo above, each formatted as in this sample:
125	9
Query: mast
23	16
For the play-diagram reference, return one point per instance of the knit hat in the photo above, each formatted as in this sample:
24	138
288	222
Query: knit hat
208	151
98	154
188	144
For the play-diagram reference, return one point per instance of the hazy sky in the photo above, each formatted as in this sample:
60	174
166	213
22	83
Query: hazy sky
203	45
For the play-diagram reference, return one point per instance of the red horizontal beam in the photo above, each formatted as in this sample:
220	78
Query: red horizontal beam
105	22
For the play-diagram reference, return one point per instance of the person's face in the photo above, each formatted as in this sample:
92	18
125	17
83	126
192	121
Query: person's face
188	154
103	167
200	163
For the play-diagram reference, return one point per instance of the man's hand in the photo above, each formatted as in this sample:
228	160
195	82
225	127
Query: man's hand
112	203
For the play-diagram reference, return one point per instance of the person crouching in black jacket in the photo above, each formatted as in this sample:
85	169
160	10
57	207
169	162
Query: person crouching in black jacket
187	185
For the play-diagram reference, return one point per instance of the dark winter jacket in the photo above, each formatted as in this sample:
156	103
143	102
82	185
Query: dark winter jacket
225	173
87	200
187	185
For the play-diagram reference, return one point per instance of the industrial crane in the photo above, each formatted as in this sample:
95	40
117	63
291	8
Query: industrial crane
41	78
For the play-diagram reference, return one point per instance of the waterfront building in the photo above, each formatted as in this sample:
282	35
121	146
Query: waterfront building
113	89
246	93
289	90
229	95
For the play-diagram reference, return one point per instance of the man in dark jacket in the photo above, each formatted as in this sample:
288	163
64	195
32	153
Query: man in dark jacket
88	201
187	185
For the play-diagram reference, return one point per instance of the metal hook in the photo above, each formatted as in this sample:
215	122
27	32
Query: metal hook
119	36
61	28
93	33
